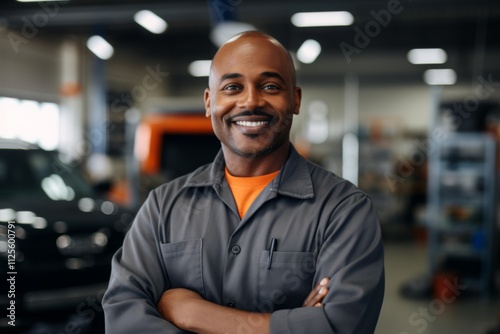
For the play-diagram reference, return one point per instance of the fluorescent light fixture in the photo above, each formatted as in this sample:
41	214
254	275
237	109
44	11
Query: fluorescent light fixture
427	56
30	113
309	51
9	111
100	47
225	30
49	133
36	0
322	19
440	77
199	68
150	21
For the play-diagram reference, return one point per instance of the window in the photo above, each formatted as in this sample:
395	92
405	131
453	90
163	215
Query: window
32	121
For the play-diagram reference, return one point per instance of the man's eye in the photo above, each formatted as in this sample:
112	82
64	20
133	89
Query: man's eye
271	87
231	87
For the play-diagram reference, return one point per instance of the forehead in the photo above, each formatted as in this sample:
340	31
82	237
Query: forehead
251	55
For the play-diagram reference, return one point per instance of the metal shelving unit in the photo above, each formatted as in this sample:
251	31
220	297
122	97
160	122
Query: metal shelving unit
461	209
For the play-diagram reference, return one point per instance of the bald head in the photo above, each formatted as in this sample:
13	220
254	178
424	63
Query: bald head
257	38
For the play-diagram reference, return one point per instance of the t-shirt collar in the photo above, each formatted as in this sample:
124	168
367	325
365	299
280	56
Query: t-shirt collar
293	180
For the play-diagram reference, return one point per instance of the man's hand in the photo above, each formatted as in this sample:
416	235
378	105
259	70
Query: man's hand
317	294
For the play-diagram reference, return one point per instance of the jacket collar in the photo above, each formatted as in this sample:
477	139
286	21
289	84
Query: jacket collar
294	179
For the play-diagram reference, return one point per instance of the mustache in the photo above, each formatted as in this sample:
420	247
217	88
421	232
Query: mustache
256	112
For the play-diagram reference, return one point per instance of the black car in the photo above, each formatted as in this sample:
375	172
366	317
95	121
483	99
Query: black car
57	238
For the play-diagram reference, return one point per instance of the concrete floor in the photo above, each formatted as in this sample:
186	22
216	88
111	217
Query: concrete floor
465	314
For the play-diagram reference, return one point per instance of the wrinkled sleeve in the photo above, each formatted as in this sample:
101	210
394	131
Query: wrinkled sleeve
137	279
352	257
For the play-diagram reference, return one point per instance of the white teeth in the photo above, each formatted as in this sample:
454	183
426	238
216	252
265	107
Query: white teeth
246	123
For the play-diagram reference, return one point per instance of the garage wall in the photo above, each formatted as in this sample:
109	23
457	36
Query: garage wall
30	69
34	72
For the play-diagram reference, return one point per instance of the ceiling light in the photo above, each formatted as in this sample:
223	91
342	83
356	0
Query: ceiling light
36	0
7	214
150	21
427	56
199	68
100	47
322	19
309	51
440	77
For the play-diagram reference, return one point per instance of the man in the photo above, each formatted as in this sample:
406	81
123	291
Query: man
260	240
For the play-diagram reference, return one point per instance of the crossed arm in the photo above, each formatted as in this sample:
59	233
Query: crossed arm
190	312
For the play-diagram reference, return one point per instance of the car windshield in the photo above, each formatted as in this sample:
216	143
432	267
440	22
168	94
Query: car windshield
38	173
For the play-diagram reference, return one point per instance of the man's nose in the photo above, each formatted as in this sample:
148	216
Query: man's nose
251	99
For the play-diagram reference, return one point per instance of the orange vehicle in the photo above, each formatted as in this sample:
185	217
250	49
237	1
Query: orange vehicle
168	145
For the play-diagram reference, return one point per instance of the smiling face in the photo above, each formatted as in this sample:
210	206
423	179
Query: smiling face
252	97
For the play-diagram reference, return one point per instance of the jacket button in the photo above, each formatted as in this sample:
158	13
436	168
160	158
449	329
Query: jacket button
231	303
236	250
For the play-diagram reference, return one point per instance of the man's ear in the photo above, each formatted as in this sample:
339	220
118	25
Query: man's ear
297	98
207	102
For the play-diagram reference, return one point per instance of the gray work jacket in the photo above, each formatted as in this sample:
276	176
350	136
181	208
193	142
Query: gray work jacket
188	234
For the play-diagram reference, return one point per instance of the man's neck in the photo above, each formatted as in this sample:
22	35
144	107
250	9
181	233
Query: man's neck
238	165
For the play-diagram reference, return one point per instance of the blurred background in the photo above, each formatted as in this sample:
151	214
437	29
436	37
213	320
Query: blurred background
101	101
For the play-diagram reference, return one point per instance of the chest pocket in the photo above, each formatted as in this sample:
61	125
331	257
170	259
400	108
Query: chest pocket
287	282
183	260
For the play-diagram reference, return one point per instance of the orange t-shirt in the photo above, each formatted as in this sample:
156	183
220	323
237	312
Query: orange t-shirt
246	189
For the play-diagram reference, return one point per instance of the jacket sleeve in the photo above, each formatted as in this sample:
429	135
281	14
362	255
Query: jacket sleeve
138	279
352	257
